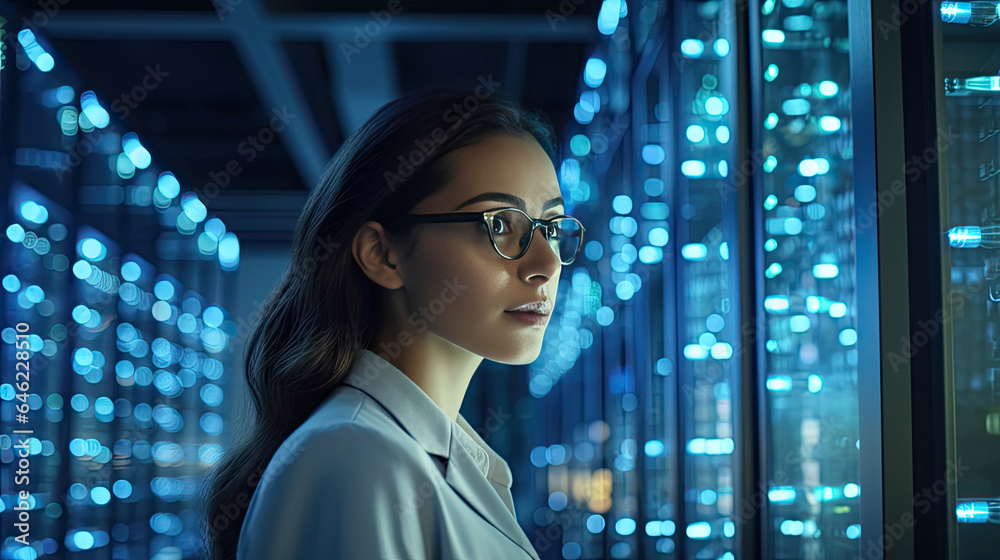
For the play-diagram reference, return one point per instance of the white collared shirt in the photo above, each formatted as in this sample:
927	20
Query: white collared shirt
379	471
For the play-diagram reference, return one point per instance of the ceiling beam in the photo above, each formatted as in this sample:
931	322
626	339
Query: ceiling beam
324	26
271	73
362	80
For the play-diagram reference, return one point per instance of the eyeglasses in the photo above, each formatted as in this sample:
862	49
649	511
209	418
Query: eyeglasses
511	230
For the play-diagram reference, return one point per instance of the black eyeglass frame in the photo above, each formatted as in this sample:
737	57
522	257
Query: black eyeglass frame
486	217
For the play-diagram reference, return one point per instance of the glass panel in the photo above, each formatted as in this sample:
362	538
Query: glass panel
703	253
807	344
971	143
129	360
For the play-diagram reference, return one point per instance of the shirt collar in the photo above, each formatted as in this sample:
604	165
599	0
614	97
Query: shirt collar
420	416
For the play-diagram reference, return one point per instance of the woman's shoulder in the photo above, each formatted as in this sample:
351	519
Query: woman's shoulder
348	433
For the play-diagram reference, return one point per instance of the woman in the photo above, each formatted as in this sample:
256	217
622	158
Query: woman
407	262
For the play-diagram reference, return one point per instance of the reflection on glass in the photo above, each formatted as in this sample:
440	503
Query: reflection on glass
809	342
969	145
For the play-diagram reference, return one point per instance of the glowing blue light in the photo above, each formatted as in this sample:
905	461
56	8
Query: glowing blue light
15	232
699	530
793	226
604	316
851	490
723	168
654	448
213	316
625	526
65	94
694	251
791	527
692	48
658	236
35	52
776	304
100	495
135	151
773	36
607	18
194	208
34	293
96	114
594	72
721	47
122	489
853	531
693	168
828	88
722	134
653	186
91	249
82	270
708	497
83	540
825	270
131	271
653	154
582	115
778	383
716	106
595	523
34	212
161	311
829	124
814	383
782	494
624	290
795	106
695	352
838	310
650	255
695	133
722	351
229	248
11	283
805	193
83	356
167	185
848	337
799	323
103	405
164	290
622	204
211	423
211	394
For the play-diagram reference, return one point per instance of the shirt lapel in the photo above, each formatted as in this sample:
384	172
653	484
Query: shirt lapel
468	463
467	479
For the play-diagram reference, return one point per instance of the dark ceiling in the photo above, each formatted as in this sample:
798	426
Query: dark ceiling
228	66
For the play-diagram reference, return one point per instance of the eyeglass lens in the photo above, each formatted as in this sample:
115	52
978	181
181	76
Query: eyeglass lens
512	233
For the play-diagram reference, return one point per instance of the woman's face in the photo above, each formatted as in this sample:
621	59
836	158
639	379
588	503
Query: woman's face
455	285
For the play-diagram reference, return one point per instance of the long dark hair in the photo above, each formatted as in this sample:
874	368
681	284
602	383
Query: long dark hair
323	310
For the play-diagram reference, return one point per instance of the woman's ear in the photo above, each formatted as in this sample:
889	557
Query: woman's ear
371	250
